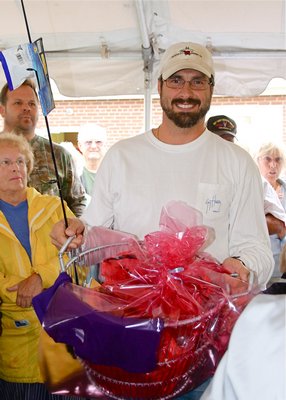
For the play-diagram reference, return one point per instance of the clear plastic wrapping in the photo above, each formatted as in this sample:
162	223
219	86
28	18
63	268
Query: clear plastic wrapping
160	320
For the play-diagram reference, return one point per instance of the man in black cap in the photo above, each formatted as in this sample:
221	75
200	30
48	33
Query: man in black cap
223	126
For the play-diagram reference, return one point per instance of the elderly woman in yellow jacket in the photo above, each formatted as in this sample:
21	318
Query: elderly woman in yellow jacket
28	264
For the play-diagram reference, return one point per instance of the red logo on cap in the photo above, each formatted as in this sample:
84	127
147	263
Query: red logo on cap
187	52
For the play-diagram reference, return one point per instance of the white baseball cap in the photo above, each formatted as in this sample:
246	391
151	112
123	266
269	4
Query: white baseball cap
186	55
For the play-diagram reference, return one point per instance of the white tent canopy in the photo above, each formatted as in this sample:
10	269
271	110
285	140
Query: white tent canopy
112	47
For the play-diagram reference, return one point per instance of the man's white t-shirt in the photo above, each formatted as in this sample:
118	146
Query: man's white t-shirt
139	175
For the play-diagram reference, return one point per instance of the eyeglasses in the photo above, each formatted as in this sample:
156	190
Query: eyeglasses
176	82
6	163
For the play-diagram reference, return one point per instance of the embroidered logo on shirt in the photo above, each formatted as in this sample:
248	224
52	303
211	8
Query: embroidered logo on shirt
213	205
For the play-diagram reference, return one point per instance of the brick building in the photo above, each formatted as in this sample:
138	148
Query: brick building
258	118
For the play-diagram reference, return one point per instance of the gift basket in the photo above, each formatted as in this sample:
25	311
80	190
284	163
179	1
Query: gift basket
147	319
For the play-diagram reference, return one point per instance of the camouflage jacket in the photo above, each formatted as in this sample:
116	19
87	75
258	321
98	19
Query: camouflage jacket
43	176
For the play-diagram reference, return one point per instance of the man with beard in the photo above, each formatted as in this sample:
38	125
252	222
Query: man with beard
20	110
182	160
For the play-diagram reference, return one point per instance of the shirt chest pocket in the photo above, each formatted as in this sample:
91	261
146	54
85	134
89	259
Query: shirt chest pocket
214	200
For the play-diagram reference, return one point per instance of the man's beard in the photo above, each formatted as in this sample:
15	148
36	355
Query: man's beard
19	130
185	119
26	131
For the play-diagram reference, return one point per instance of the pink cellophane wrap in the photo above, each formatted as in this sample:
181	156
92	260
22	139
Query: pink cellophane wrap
168	276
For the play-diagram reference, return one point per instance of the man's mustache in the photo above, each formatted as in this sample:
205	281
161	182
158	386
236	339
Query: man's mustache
186	101
25	114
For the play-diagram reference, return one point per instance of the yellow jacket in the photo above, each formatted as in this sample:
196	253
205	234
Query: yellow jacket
20	326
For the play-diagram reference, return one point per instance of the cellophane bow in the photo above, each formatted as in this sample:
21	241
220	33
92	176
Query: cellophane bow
184	300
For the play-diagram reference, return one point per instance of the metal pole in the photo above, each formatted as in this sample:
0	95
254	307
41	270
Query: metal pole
147	55
48	128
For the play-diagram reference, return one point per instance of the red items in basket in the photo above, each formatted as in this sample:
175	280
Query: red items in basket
168	276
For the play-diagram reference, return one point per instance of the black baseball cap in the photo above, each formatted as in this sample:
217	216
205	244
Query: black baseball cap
221	124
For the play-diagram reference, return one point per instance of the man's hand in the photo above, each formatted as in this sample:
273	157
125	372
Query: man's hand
240	280
60	233
275	225
27	289
235	266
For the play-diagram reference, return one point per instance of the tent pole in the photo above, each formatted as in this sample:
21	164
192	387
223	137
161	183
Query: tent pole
147	108
147	55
